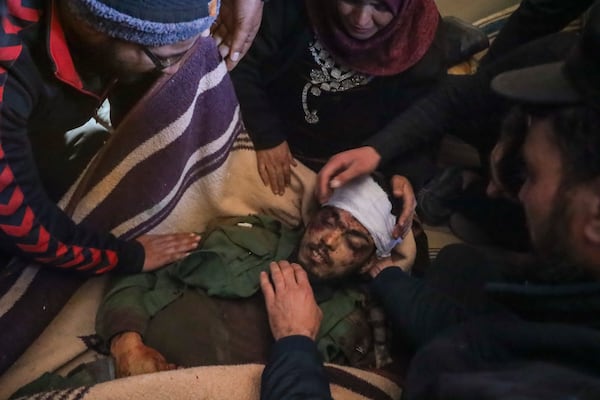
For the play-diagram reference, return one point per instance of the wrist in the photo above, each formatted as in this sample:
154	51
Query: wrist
373	152
123	341
296	332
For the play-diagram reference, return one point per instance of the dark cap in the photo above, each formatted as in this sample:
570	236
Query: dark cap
147	22
575	80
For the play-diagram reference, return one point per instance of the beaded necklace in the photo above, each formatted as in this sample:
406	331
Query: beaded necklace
329	78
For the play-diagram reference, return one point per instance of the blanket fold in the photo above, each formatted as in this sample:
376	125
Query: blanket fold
223	382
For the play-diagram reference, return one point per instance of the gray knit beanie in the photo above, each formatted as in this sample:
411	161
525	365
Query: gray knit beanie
147	22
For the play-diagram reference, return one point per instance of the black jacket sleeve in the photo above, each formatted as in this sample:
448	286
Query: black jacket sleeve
283	29
294	371
416	311
456	105
32	226
35	228
464	106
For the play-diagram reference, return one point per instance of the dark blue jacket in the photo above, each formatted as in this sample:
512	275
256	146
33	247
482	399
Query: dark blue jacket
294	371
530	339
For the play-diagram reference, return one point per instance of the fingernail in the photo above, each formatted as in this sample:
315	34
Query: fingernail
235	56
334	184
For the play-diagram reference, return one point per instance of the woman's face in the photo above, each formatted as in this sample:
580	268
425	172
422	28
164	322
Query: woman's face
364	18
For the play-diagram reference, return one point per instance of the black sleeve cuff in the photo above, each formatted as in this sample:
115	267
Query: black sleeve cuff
299	343
131	257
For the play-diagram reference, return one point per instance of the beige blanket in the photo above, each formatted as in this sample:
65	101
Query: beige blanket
239	382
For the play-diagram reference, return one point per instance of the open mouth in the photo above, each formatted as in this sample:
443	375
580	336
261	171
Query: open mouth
319	255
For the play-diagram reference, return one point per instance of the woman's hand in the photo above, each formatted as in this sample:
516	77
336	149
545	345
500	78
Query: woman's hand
275	167
160	250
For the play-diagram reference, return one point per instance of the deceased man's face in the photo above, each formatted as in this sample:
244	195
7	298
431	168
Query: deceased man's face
334	245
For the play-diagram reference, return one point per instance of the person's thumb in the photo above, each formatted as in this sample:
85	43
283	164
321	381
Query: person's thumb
344	177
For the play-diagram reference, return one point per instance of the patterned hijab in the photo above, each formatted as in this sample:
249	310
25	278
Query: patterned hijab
394	49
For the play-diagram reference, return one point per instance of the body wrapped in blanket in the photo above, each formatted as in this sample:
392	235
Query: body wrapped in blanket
172	317
180	159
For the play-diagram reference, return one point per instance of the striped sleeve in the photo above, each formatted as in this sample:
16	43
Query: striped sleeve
31	225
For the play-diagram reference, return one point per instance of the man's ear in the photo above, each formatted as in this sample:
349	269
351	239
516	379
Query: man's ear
591	230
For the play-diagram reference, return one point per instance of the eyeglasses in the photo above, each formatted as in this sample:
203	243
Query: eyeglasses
162	63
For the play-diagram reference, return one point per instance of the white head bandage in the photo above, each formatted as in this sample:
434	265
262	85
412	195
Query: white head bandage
369	204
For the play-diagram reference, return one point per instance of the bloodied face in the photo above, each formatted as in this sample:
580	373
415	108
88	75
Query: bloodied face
334	245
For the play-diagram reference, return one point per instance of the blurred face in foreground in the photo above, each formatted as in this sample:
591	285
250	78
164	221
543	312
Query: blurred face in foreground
335	245
540	192
561	216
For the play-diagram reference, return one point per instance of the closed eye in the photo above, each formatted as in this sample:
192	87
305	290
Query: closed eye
357	241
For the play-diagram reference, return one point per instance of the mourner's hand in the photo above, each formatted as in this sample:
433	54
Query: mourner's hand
402	189
290	301
133	357
379	265
235	28
343	167
275	167
394	261
160	250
